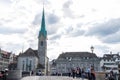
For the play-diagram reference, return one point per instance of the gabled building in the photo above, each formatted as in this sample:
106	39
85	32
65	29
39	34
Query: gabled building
28	60
109	62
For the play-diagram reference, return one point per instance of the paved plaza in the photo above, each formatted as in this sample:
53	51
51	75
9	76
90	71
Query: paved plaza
49	78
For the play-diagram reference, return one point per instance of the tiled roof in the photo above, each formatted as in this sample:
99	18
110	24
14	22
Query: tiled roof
77	54
110	56
5	54
29	52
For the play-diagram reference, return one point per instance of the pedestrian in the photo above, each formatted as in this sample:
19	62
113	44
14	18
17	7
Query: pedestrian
89	74
73	73
32	72
111	76
106	76
82	74
77	72
93	74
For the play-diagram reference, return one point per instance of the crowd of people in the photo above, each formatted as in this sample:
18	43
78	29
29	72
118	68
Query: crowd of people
3	75
111	76
82	73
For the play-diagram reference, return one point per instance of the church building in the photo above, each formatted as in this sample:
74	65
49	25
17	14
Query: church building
31	60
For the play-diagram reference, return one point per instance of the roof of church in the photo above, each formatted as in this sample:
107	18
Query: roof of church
29	52
43	29
77	54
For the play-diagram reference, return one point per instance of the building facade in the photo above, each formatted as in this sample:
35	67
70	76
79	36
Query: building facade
71	60
5	59
109	62
28	60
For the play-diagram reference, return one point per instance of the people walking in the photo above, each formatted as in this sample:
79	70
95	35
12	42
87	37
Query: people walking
112	77
93	74
73	73
82	74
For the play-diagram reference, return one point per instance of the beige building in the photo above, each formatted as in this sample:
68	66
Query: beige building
4	59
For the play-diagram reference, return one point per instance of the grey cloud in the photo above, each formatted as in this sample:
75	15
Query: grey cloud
14	47
115	38
37	19
70	31
94	10
77	33
82	16
105	29
56	36
102	49
67	4
6	1
7	30
5	20
52	31
52	19
66	9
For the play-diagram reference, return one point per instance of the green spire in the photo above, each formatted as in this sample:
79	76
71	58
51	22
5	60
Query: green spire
43	29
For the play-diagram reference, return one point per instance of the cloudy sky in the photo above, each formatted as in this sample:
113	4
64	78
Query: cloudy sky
72	25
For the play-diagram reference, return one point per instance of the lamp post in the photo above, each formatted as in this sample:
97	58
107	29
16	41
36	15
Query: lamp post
92	49
69	59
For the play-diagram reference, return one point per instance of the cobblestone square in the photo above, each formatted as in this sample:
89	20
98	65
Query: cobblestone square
50	78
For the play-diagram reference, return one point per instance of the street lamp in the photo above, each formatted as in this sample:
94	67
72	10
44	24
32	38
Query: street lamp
92	49
70	61
69	69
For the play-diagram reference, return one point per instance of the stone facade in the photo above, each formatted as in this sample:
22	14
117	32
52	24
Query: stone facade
66	61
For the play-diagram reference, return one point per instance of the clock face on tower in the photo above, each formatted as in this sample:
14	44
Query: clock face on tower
41	43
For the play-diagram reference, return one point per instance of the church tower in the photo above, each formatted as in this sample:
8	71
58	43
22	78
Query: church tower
42	43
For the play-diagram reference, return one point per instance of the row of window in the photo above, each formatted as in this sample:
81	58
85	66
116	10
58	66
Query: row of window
110	63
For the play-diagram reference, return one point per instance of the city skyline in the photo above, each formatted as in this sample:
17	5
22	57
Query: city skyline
72	25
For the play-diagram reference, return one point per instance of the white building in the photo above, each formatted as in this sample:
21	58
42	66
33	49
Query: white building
28	60
109	62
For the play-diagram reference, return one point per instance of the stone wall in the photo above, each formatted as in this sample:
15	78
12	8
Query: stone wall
100	75
14	75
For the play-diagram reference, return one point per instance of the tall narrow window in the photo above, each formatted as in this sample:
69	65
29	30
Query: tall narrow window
41	43
27	64
23	66
30	65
